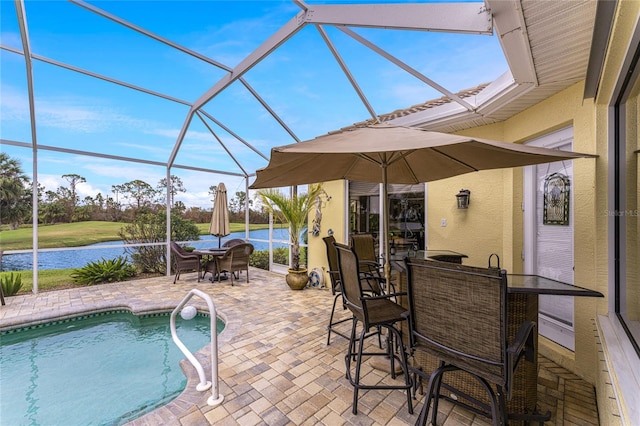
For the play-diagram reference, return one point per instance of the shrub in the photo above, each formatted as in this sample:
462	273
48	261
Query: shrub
101	271
152	228
260	258
11	283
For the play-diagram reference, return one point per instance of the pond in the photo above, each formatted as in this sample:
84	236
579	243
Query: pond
77	258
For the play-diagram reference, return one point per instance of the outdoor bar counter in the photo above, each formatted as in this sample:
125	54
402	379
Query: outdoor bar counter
523	291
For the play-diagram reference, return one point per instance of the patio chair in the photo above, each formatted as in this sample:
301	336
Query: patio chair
183	261
364	246
458	314
369	286
336	288
232	242
372	311
235	259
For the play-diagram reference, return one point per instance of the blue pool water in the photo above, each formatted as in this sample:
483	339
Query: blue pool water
102	369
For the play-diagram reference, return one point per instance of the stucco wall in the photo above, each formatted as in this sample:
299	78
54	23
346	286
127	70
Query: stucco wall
496	222
332	218
614	375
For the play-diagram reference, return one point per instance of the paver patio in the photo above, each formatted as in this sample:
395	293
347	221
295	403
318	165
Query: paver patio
275	366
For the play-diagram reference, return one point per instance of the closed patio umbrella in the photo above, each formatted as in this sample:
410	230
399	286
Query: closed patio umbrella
219	226
394	154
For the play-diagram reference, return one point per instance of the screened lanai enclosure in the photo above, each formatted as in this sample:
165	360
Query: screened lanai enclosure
105	102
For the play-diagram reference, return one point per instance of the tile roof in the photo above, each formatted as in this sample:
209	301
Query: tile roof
466	93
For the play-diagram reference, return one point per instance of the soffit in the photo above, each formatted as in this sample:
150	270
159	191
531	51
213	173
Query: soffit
553	41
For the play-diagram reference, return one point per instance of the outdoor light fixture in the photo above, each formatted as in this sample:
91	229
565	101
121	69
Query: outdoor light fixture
463	198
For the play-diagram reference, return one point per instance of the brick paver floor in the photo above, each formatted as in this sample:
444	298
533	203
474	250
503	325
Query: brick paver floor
275	366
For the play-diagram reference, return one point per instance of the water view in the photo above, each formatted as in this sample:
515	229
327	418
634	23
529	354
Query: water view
80	257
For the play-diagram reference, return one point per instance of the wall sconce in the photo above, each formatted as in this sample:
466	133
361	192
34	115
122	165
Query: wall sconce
463	198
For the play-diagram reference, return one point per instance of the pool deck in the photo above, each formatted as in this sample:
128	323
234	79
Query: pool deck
275	366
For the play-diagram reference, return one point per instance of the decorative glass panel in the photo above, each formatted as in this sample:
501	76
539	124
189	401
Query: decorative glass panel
556	199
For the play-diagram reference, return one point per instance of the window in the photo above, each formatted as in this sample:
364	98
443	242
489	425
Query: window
625	211
406	213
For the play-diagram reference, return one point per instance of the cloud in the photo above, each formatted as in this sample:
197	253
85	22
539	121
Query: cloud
14	104
232	42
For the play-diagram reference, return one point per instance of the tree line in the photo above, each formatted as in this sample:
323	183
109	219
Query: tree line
128	200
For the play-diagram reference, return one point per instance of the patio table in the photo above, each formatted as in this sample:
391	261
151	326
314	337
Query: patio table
522	293
441	255
210	255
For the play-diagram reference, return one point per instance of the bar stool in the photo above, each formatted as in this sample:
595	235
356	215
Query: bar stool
373	311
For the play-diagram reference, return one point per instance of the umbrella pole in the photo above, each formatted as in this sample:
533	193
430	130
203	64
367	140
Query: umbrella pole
385	225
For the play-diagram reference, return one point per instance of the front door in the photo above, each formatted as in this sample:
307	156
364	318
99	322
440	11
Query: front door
549	235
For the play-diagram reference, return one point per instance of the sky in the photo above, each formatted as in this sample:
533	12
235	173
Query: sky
301	81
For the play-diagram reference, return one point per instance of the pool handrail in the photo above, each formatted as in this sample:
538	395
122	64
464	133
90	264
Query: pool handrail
215	398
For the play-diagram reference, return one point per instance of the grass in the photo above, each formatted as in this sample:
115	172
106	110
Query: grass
62	235
52	279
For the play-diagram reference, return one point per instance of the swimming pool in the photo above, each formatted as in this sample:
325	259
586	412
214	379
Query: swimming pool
96	369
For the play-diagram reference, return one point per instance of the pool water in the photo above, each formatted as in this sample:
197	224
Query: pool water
99	369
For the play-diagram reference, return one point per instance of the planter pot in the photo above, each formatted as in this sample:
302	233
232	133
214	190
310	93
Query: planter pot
297	280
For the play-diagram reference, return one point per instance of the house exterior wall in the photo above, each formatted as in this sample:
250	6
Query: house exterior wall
333	217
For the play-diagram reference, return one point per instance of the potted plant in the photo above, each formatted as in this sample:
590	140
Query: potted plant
293	210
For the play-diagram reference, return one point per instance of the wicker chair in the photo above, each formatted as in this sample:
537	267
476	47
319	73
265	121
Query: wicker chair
183	260
458	315
235	259
232	242
372	312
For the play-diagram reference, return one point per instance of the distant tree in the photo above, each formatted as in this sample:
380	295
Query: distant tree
15	197
138	192
69	196
113	210
52	210
74	180
176	187
237	203
179	208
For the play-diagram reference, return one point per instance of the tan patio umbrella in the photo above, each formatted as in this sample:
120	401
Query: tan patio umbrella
394	154
220	216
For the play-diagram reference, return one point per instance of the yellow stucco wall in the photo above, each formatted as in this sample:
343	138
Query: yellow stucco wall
332	218
626	18
494	220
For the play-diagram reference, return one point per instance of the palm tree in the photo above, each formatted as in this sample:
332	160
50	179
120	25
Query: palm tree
293	210
15	202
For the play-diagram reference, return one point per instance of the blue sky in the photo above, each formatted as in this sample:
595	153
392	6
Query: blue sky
301	82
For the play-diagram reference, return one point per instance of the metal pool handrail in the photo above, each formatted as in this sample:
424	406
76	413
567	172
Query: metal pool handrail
215	398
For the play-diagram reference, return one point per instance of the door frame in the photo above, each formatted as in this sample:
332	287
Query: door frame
551	328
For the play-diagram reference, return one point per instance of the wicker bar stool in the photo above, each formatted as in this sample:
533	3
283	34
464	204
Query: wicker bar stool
373	311
458	314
